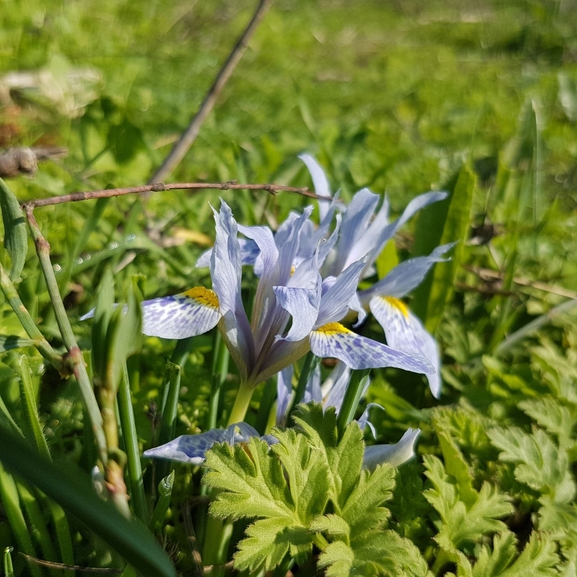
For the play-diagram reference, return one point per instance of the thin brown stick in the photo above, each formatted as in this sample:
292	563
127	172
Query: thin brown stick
55	565
189	136
159	187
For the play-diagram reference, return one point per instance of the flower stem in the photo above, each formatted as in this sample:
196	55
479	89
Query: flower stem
241	404
352	398
74	357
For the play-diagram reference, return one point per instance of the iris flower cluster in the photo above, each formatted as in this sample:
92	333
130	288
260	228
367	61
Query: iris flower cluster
308	283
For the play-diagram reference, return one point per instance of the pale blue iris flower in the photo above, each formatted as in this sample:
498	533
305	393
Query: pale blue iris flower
363	231
294	310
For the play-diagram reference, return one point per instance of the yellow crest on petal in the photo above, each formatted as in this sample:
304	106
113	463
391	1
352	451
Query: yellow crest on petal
203	296
333	329
398	304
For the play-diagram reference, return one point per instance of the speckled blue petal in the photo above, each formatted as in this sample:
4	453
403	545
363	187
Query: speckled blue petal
405	332
358	352
395	455
192	448
181	316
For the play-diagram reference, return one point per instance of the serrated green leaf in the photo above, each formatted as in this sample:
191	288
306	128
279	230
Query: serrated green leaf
331	525
455	464
344	458
363	510
253	483
462	523
554	417
374	553
15	239
537	558
539	462
269	540
306	470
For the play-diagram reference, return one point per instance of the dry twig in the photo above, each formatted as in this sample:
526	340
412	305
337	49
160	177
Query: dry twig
189	136
159	186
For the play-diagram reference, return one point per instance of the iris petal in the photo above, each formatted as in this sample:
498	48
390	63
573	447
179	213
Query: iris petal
405	276
395	454
192	448
302	304
357	352
180	316
405	332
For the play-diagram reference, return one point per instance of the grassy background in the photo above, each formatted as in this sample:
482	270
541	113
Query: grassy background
390	95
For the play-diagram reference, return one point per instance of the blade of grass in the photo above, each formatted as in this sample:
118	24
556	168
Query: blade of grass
13	510
441	223
72	489
131	448
38	527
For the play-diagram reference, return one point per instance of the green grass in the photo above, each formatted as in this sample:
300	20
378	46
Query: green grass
395	96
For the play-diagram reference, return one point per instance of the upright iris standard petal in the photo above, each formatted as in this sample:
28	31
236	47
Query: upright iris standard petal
320	182
357	352
180	316
226	272
354	227
405	332
406	276
302	304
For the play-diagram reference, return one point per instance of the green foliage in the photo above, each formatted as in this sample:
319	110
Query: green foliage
309	489
537	558
539	462
441	223
73	491
463	521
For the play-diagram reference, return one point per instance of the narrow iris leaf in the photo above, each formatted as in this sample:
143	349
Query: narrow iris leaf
11	342
73	491
15	240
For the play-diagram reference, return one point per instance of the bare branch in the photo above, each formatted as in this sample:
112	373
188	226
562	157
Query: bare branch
159	186
189	136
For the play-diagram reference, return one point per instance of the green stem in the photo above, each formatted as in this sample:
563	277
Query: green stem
131	446
241	404
74	354
352	398
27	323
307	368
